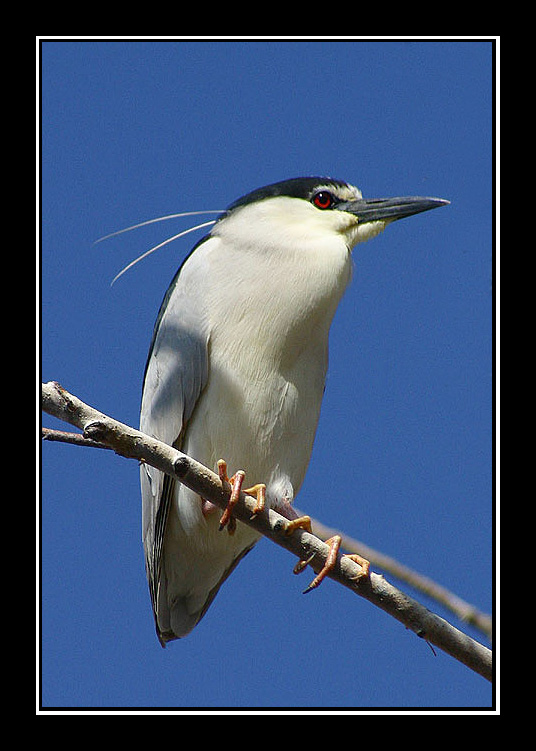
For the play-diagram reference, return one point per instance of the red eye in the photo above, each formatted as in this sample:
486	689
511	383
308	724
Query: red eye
323	200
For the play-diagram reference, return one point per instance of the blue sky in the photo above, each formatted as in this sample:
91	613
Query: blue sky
403	457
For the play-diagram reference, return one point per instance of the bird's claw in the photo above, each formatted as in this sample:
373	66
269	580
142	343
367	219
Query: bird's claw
236	481
304	522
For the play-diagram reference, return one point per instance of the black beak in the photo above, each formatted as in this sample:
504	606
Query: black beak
389	209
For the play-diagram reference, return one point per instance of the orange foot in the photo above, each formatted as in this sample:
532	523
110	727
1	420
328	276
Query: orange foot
258	491
304	522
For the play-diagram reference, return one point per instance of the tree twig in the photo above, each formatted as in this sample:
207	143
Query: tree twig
462	609
131	443
75	439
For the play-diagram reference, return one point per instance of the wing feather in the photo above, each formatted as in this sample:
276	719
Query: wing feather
175	376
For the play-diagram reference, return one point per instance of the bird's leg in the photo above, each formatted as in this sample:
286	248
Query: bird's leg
236	481
258	491
304	522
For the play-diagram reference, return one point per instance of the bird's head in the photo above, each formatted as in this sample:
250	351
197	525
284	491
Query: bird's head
306	208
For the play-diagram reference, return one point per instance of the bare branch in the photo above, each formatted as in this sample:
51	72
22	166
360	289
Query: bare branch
133	444
462	609
75	439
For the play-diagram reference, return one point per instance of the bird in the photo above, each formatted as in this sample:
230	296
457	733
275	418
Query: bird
236	373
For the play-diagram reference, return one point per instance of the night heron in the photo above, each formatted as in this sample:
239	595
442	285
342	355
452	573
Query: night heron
236	372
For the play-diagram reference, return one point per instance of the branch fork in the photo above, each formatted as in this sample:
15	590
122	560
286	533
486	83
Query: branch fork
99	430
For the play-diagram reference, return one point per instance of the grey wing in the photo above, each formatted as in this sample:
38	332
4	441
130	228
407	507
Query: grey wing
175	375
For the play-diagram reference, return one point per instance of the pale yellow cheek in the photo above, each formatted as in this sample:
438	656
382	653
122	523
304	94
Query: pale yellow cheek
360	233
